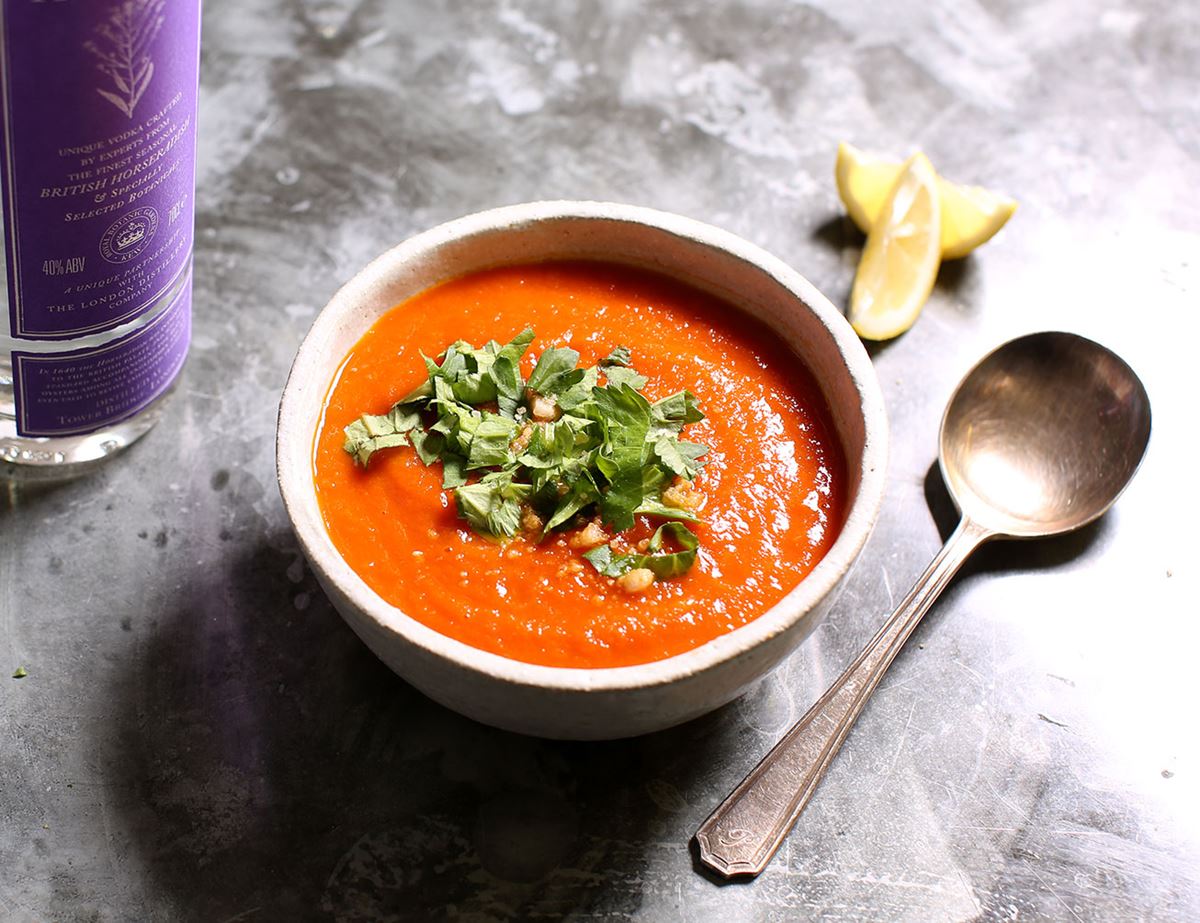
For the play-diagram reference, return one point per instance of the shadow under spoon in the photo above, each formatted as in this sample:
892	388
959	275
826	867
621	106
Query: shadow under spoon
1040	438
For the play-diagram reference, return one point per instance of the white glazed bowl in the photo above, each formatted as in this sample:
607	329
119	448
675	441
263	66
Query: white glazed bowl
567	702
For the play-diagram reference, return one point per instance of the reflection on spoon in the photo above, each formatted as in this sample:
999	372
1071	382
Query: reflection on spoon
1039	439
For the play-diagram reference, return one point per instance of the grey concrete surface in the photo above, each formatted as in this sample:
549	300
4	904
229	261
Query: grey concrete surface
199	737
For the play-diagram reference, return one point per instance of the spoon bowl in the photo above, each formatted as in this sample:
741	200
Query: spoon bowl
1038	439
1042	435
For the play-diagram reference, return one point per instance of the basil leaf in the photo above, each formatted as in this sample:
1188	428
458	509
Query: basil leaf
671	564
664	564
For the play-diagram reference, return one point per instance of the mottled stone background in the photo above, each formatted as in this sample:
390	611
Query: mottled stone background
200	737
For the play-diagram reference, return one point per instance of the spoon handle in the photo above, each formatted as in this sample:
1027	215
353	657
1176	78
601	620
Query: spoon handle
742	834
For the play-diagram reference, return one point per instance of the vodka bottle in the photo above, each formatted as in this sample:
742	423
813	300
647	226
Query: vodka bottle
97	170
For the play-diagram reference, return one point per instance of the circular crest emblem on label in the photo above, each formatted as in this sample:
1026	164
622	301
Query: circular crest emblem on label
128	235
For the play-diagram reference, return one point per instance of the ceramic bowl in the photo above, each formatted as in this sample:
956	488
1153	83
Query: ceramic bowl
565	702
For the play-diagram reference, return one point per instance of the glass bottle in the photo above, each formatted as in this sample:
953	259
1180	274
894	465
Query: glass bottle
97	169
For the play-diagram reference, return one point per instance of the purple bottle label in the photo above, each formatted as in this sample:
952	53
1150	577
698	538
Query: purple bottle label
97	158
83	390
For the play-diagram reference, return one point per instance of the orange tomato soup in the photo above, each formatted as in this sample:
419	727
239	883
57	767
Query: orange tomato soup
774	478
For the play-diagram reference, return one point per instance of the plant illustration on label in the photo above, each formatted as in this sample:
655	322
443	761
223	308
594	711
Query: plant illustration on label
125	38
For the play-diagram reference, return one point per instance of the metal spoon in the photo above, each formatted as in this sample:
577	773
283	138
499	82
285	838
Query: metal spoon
1040	438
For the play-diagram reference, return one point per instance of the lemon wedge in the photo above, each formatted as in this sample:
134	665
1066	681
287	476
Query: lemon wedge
971	215
902	255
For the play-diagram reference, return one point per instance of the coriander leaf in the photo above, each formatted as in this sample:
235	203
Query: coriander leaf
583	492
492	506
458	422
693	452
397	420
581	428
618	375
623	415
475	503
452	365
653	478
505	371
549	445
504	519
609	451
475	388
653	507
514	350
652	482
453	467
609	564
419	395
619	356
681	458
471	381
489	445
624	494
606	466
429	445
372	432
555	372
359	442
579	392
679	408
506	377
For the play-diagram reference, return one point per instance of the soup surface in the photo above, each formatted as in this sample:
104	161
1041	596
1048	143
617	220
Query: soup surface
773	483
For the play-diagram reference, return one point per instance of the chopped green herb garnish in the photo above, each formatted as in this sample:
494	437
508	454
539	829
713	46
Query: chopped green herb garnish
20	673
551	452
662	563
619	356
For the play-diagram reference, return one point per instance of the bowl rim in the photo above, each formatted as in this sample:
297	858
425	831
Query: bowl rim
292	437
